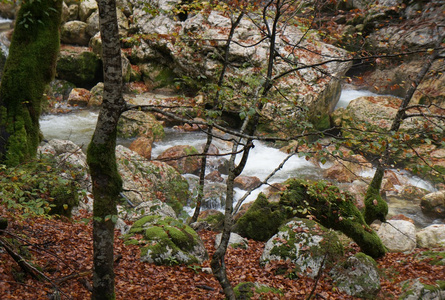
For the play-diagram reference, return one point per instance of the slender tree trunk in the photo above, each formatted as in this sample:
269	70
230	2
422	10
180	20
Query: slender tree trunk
29	68
107	183
249	126
375	207
215	106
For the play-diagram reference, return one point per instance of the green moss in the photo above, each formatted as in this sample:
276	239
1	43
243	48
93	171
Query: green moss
83	69
262	220
146	219
435	258
321	122
30	66
364	257
163	235
440	285
155	233
214	220
246	290
375	207
333	209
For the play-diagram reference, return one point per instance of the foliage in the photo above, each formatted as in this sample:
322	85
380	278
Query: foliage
37	188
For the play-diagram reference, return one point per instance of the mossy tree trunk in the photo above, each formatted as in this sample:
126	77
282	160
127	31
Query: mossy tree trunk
249	127
375	207
101	157
29	68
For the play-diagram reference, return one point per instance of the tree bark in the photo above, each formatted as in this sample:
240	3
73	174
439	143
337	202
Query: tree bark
29	68
107	183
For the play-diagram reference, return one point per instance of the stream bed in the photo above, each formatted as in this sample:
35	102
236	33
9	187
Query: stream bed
78	126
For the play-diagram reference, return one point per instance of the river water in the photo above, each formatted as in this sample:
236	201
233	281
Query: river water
78	126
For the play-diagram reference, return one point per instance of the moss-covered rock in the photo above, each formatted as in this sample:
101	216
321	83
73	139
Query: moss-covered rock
262	220
414	289
306	243
358	276
167	241
333	209
213	217
80	66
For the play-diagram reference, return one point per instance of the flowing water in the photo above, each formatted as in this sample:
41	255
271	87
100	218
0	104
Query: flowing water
78	126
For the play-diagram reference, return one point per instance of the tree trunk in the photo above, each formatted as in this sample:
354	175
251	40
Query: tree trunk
107	183
29	68
375	207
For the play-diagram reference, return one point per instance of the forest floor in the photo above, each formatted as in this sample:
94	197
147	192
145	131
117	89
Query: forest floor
63	249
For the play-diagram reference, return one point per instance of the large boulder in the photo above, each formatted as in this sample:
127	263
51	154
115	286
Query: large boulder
79	97
75	33
305	243
183	158
150	180
86	9
167	241
135	123
431	236
80	66
71	158
246	182
434	204
142	146
398	235
96	98
198	61
358	276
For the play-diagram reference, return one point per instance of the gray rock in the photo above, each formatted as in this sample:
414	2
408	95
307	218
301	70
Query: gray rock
434	204
431	236
235	240
150	180
358	276
147	208
306	244
75	33
138	123
86	9
398	235
202	63
415	290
